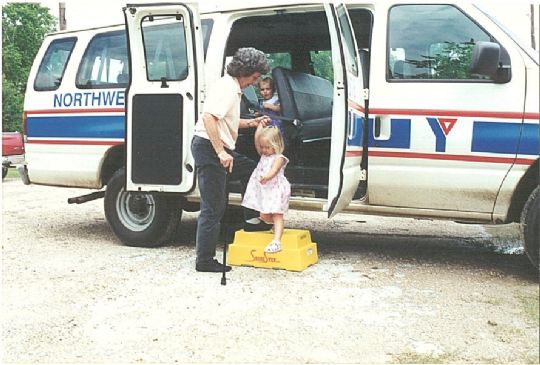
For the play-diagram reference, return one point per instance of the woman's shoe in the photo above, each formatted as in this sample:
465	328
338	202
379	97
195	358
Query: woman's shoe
212	266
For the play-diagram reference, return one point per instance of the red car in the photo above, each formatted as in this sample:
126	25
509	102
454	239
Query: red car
12	151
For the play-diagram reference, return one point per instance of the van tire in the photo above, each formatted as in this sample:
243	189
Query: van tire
530	234
140	219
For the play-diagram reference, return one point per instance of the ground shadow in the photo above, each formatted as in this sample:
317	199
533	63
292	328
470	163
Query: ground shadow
459	252
451	252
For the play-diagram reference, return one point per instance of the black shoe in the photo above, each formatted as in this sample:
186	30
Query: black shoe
211	266
261	226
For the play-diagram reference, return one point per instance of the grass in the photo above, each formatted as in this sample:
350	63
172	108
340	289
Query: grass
12	173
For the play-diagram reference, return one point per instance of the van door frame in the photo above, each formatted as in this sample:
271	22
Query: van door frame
348	143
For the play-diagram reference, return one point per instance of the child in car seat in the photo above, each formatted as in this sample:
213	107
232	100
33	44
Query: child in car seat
268	190
270	104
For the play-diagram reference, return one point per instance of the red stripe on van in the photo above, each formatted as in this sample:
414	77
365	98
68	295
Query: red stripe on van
67	111
74	142
456	113
433	156
468	158
356	106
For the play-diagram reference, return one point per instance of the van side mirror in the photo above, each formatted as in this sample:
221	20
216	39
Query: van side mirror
485	61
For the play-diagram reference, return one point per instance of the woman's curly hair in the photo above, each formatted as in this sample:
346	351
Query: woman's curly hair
247	61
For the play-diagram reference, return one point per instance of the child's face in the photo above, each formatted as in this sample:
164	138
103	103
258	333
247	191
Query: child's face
266	90
266	147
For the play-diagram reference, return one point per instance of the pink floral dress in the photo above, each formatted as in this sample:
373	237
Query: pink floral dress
272	197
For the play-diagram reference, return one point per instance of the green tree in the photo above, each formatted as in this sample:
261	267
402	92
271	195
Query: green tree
449	61
24	26
453	61
322	64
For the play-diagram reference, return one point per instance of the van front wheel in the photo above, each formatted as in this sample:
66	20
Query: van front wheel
137	218
530	217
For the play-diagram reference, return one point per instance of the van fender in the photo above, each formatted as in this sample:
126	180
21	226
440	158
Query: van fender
515	189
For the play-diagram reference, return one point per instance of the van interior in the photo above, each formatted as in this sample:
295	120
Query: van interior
301	67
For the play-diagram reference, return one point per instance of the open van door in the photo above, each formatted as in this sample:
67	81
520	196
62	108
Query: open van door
349	113
162	101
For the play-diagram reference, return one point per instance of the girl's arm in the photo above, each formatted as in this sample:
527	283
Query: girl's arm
276	108
276	166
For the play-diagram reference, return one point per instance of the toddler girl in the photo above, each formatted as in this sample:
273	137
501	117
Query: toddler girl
270	105
268	190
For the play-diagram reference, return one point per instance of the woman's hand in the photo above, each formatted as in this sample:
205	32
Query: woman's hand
262	120
226	160
264	179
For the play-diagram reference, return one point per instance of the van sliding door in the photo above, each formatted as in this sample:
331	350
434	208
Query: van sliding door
163	96
349	113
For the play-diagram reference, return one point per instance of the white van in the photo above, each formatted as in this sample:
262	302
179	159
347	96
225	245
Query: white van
392	108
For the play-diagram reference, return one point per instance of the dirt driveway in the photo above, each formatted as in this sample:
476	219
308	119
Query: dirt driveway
384	291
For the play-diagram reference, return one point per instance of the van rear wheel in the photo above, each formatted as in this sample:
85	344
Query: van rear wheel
140	219
530	217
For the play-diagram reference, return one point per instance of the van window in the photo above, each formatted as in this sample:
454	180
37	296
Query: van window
282	59
104	63
348	41
431	42
165	47
207	25
322	64
53	65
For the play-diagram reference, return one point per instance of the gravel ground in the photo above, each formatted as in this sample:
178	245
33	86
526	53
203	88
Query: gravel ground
384	290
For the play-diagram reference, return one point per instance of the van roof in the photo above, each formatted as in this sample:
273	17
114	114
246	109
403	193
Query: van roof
216	6
220	6
208	7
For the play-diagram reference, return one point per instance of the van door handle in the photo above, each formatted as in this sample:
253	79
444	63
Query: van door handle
377	127
164	84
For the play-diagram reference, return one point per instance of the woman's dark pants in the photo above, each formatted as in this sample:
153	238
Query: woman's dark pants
212	179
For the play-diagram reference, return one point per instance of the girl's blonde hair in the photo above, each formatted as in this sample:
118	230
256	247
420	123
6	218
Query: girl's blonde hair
273	136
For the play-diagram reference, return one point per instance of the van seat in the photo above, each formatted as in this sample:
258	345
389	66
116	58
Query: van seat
307	98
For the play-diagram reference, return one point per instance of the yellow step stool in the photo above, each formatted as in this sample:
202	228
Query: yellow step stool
298	252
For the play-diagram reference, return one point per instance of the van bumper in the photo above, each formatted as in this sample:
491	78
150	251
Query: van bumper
12	160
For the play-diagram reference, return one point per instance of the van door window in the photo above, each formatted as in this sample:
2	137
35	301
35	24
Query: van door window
165	47
104	64
206	25
431	42
349	48
51	70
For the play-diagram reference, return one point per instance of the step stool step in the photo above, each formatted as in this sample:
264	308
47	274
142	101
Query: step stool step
298	251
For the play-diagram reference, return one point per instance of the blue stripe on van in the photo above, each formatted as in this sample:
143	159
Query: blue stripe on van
495	137
355	136
97	126
529	144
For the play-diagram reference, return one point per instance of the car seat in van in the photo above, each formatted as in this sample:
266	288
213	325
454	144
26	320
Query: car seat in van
308	99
